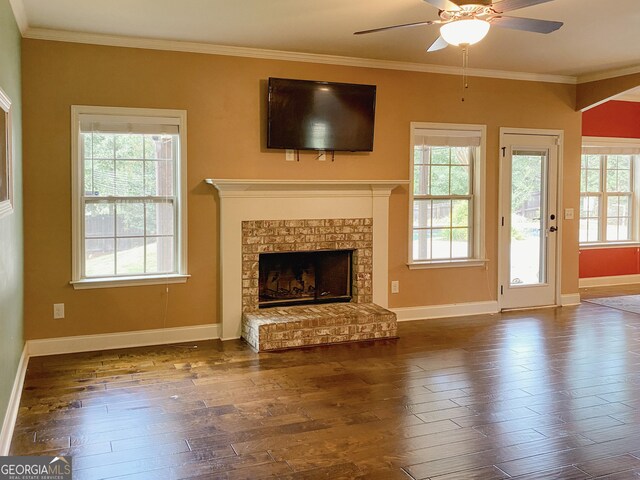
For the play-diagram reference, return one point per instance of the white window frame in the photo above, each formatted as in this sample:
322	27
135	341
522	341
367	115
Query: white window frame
129	115
6	206
478	220
624	146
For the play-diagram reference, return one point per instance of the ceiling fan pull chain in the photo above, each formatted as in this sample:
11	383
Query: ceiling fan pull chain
465	65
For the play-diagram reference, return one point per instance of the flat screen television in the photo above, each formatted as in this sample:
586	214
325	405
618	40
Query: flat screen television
311	115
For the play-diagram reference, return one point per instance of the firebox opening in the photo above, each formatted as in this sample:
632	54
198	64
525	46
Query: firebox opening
295	278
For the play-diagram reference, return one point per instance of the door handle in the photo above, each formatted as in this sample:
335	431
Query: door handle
553	229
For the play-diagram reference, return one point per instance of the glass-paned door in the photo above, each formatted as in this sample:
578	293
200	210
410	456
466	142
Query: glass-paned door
528	221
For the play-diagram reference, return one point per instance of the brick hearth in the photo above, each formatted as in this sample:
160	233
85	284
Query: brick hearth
303	326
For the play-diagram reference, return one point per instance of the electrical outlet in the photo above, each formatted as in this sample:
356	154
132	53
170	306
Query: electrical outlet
58	310
290	155
395	286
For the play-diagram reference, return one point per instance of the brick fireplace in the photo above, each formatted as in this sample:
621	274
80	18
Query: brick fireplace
304	249
261	237
268	216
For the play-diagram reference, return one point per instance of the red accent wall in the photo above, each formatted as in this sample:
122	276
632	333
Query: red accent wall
605	262
612	119
621	120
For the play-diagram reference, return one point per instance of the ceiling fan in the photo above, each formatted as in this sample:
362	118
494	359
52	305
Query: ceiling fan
465	22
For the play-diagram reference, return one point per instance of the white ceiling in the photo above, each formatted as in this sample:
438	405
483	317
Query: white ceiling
598	35
632	95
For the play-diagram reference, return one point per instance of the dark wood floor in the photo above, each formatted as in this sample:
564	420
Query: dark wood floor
542	394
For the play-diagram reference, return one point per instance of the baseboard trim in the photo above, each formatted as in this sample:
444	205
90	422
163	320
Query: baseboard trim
110	341
11	415
608	281
406	314
569	299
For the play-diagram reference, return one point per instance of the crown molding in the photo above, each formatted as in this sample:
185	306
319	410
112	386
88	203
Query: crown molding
211	49
621	72
20	14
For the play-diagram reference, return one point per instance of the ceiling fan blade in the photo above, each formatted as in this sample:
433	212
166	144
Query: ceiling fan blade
526	24
444	5
439	44
404	25
510	5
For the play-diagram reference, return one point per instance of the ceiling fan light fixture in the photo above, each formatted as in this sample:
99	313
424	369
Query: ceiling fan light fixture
465	31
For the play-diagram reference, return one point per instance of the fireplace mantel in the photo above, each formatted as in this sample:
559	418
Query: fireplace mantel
296	188
240	200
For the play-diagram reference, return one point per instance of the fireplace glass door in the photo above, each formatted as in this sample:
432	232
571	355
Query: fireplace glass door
295	278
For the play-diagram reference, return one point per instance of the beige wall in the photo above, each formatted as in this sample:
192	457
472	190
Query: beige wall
224	98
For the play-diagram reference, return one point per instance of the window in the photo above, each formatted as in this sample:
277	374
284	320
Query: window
129	196
607	199
446	208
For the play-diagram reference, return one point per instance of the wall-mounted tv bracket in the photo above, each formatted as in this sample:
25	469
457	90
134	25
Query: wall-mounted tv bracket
322	153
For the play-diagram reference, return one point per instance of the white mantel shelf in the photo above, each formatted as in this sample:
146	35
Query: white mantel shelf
240	200
287	188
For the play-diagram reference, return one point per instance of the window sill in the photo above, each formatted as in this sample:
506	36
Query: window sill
589	246
134	281
447	264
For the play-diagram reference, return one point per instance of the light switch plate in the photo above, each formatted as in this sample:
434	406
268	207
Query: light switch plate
568	213
395	286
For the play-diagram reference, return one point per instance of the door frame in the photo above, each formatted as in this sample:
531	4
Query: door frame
559	199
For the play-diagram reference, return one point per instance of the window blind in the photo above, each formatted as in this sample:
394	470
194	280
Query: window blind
448	138
87	126
611	150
